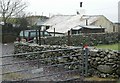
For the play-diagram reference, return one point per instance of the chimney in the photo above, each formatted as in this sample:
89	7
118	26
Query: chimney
80	11
81	4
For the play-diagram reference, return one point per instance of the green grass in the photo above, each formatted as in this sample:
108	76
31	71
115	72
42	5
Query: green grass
95	78
112	46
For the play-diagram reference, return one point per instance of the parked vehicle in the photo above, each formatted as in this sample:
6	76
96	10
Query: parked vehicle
29	35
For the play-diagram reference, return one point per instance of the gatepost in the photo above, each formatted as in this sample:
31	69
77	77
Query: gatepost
85	60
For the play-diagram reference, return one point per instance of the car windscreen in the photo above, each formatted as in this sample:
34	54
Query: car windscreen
25	32
33	33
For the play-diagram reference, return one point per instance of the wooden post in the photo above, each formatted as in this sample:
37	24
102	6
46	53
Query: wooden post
69	42
40	36
36	37
86	22
43	33
23	33
29	35
54	31
43	36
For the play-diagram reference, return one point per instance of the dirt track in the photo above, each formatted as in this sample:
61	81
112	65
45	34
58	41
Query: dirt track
7	48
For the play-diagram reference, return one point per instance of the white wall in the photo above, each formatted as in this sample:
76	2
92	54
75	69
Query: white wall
105	23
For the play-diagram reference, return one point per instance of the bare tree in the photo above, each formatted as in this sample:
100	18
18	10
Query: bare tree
22	20
9	8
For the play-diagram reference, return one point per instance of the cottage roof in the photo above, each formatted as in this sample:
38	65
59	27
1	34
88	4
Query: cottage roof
63	23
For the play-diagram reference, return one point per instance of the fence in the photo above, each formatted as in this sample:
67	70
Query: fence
47	67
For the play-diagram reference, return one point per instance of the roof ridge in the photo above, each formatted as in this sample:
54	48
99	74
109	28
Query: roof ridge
64	15
93	15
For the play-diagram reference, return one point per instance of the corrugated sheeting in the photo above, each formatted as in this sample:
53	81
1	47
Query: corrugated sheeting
90	27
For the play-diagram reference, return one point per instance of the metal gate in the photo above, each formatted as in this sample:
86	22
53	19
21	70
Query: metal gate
44	67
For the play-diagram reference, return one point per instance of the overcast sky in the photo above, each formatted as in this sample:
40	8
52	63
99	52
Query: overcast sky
108	8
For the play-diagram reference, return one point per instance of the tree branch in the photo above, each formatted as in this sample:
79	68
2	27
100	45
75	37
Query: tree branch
8	5
11	7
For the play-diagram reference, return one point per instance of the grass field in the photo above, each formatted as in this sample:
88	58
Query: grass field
112	46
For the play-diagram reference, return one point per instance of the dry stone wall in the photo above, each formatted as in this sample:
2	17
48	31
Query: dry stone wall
105	63
79	40
102	63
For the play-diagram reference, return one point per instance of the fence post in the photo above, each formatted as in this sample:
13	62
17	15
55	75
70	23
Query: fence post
54	31
40	36
85	61
36	37
23	33
82	62
69	42
38	62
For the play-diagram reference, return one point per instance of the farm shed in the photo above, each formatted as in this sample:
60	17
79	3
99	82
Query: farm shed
87	29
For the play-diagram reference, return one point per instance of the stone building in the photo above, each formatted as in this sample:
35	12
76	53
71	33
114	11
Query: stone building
116	27
64	23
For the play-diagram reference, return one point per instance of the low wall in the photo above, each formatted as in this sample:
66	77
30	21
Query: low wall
102	63
79	40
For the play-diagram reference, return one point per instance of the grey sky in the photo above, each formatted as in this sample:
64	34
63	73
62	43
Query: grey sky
108	8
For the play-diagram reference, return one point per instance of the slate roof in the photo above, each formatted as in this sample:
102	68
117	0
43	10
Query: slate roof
63	23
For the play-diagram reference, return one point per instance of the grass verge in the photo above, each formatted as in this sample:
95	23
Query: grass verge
95	78
112	46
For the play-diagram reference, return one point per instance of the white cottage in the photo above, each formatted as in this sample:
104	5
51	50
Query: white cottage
63	23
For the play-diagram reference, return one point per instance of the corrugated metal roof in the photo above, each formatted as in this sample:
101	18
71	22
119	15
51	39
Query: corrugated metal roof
93	27
76	28
63	23
90	27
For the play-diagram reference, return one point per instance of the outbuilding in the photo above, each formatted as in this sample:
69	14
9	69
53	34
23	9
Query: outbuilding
87	29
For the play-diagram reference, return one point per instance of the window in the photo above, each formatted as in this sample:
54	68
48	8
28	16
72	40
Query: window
25	32
33	33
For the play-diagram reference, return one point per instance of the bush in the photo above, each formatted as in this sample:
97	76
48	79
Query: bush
8	38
